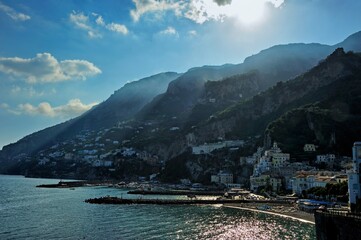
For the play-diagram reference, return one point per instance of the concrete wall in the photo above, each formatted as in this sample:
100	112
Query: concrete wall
337	226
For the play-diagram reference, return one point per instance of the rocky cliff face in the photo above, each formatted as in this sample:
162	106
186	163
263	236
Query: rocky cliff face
185	92
251	117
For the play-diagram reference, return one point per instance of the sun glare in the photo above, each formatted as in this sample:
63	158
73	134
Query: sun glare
247	12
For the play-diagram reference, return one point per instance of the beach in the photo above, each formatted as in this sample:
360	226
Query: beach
284	210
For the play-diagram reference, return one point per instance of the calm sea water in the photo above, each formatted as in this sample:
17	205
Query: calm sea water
27	212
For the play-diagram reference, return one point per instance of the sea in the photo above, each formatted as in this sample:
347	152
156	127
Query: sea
27	212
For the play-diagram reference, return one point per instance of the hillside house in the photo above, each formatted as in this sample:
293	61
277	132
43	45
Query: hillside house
309	148
259	181
327	159
222	178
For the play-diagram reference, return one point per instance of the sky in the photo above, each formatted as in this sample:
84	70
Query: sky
60	58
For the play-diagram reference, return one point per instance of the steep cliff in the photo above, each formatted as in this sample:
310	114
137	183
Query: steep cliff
252	117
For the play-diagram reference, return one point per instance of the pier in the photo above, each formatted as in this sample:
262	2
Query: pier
116	200
177	192
63	185
73	184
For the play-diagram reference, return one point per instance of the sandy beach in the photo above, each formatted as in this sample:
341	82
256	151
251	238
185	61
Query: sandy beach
283	210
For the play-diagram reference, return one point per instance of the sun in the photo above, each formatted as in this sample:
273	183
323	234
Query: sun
248	11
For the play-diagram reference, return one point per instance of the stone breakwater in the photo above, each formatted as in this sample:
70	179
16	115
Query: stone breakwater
116	200
177	192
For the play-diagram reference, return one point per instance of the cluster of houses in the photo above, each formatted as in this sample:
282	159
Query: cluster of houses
272	168
273	171
97	149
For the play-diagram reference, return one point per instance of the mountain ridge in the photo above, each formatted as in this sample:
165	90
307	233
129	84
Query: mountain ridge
186	90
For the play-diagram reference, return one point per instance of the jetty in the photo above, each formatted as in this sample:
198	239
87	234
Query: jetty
177	192
73	184
62	184
116	200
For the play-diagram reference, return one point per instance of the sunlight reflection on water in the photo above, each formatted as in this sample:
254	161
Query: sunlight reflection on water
29	212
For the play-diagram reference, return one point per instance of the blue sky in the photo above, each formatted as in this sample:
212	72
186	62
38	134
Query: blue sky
58	59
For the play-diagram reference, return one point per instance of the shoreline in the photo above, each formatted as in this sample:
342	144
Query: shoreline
296	215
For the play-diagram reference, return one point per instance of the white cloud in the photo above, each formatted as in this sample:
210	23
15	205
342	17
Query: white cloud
44	68
95	23
100	21
28	91
81	21
72	109
192	33
119	28
201	11
155	6
15	89
17	16
78	69
4	106
169	31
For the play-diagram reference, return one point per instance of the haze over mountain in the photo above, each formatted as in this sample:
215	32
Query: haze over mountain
120	106
278	63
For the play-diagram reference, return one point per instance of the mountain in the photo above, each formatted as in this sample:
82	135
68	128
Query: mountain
124	103
334	82
171	111
275	64
218	95
331	120
352	43
183	92
320	106
120	106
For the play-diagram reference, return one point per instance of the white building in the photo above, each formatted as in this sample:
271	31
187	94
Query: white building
309	148
309	179
280	159
128	152
101	163
264	165
300	183
209	147
68	156
328	158
56	154
354	181
222	178
257	182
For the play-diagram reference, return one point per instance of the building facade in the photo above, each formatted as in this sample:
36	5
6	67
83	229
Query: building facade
354	181
222	178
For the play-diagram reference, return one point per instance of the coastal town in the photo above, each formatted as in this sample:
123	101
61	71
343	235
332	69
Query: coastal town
275	174
273	171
